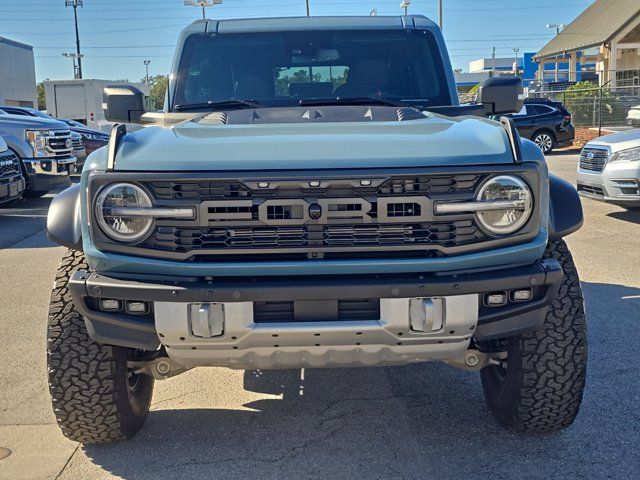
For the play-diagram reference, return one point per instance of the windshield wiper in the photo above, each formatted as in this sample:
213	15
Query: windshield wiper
352	101
215	105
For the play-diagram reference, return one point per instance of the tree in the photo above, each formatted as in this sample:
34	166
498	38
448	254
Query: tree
42	101
158	85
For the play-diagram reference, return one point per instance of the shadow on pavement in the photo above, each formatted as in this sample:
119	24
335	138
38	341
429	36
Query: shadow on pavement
417	421
631	216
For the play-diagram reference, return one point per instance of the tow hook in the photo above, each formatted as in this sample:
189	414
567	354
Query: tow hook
475	360
159	368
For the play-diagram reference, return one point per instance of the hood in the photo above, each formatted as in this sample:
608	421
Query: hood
32	122
429	141
618	141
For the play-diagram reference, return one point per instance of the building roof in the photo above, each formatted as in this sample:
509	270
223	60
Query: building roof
596	25
13	43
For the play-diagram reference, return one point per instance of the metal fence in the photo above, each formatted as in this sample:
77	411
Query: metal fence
597	106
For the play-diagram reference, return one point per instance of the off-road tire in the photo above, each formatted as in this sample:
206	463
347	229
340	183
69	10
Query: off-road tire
540	390
95	398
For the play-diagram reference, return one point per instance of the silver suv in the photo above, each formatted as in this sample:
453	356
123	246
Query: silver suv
609	169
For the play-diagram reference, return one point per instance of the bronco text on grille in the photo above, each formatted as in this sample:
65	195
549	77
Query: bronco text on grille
270	218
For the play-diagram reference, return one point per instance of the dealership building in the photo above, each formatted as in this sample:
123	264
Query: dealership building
17	74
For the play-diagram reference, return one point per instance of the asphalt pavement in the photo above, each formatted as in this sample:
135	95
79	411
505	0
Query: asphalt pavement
420	421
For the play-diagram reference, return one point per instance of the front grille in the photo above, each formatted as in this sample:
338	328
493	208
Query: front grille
590	189
57	143
355	214
77	143
320	238
9	164
231	189
593	159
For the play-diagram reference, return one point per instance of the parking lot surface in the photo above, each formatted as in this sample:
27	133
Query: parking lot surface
420	421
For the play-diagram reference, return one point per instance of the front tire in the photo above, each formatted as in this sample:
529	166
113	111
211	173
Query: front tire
540	388
95	397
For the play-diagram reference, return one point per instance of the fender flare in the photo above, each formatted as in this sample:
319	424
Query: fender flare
565	208
64	220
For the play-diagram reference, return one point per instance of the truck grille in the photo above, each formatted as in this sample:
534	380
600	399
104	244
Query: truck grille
9	164
57	143
77	143
354	214
593	159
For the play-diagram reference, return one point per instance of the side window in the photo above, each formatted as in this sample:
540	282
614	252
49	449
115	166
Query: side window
523	112
533	110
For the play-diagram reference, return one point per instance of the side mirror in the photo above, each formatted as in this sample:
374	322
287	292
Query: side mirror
502	95
123	104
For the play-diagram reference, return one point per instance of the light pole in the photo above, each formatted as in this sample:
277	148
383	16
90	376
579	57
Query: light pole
440	13
558	27
515	65
308	9
75	4
146	66
76	68
405	4
202	3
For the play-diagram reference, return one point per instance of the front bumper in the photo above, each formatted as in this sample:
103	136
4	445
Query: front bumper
46	174
287	344
618	183
11	188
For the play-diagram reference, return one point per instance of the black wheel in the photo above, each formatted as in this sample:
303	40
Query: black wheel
539	387
545	140
95	397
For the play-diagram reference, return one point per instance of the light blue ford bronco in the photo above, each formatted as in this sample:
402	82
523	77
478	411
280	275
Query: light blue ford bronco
313	196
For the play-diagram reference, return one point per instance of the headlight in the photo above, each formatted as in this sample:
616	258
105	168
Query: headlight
118	227
629	155
95	136
518	202
38	141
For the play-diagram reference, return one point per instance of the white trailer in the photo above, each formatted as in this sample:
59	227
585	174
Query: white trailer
81	100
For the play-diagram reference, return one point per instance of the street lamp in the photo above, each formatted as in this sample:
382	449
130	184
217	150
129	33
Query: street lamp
202	3
558	27
146	66
77	74
75	4
405	4
515	65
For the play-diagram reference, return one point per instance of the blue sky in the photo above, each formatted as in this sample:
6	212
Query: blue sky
117	35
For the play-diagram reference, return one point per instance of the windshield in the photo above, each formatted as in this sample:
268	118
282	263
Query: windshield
285	68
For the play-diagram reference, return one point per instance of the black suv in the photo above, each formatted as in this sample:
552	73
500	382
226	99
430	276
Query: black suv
545	122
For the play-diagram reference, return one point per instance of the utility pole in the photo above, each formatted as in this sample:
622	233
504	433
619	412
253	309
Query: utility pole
146	66
493	62
558	27
75	4
440	13
515	65
308	9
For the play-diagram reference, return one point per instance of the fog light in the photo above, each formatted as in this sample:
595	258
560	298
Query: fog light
495	299
109	305
522	295
137	308
314	184
263	184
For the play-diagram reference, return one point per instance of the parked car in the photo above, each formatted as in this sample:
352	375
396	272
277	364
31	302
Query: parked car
633	117
11	180
272	220
92	139
44	148
546	123
609	169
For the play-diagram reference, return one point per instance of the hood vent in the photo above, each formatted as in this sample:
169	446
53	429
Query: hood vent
322	114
